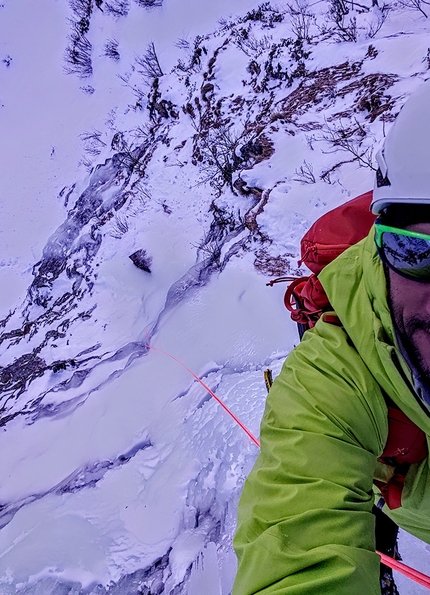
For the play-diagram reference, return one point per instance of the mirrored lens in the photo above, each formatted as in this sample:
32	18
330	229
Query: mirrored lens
410	256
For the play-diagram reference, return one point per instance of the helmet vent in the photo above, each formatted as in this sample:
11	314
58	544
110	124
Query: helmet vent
381	180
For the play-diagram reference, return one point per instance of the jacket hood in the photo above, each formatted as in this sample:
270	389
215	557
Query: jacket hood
356	287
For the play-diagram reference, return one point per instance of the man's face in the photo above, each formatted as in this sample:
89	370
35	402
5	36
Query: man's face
410	307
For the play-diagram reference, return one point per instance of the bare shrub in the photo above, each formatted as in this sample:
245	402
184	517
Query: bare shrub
343	13
149	3
345	25
418	5
195	52
93	144
305	174
149	64
137	91
86	163
265	14
119	227
87	89
352	140
286	62
183	44
81	8
426	59
253	46
216	153
374	26
117	8
111	50
78	54
301	18
220	152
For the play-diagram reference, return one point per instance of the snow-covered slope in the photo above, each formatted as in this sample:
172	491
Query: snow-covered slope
202	166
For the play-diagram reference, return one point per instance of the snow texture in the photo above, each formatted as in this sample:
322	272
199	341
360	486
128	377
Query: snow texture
162	161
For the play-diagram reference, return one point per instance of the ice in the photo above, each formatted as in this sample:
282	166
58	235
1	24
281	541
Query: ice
120	473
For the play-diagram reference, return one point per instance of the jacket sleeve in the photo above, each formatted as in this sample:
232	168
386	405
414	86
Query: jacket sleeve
305	524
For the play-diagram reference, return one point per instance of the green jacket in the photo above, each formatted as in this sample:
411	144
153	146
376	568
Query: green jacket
305	524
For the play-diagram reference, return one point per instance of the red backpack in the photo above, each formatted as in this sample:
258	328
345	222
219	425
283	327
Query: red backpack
306	300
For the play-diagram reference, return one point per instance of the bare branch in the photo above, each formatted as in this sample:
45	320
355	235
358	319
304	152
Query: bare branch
78	54
301	19
305	174
118	8
414	5
350	140
111	50
150	66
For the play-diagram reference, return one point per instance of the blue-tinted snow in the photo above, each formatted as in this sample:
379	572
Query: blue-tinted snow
120	474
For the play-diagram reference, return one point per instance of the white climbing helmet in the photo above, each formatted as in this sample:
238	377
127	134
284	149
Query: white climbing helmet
404	161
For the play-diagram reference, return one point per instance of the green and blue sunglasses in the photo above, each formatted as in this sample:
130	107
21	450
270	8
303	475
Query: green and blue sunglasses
406	252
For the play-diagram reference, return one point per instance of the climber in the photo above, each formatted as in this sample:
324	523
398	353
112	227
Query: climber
305	520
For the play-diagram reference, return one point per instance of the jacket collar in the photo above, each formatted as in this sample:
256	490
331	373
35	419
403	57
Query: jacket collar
356	287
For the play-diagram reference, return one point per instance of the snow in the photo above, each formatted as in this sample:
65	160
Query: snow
415	554
119	470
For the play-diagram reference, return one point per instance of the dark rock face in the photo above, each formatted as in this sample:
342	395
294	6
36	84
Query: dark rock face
141	260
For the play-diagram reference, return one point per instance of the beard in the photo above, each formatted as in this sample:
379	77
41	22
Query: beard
414	338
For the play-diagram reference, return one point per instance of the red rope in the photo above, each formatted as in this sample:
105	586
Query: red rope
217	399
411	573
